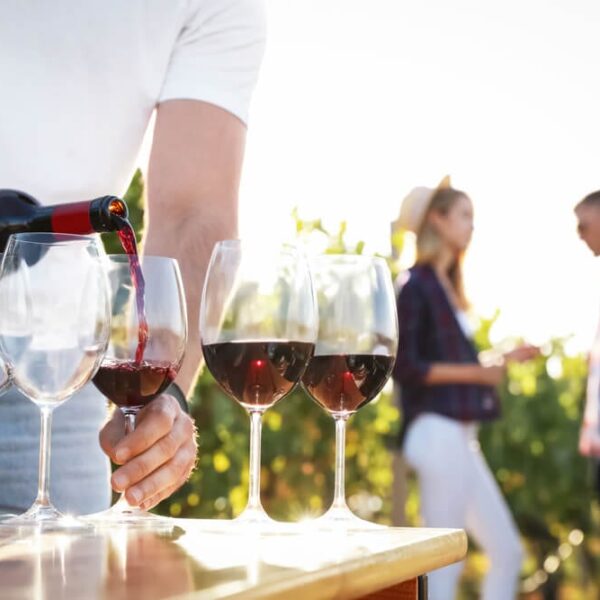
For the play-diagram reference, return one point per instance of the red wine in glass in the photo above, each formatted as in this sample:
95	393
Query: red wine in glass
257	373
131	385
343	383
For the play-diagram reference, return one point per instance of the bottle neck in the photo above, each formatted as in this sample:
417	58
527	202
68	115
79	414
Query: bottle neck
64	218
107	213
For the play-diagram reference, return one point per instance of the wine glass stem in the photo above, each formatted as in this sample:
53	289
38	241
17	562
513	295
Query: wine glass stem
254	480
339	497
121	503
43	495
129	421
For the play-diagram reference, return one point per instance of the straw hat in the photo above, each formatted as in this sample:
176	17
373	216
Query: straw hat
414	206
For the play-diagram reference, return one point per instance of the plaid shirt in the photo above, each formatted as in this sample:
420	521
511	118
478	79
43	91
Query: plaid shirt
430	333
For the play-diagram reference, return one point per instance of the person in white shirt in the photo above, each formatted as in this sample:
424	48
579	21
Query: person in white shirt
588	225
79	82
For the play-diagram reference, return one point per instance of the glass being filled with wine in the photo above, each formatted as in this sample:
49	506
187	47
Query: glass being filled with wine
354	355
258	325
146	347
54	327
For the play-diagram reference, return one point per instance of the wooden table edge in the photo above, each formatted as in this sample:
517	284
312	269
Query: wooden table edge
359	577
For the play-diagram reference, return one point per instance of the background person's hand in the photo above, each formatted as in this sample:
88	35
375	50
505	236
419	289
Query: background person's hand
492	375
589	439
522	353
157	458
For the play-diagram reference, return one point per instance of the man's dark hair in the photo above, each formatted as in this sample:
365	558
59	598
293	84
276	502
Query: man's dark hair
592	199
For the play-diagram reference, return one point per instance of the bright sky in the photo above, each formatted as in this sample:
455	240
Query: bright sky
361	100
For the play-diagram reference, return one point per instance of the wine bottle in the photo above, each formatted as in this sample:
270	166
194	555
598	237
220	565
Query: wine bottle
20	212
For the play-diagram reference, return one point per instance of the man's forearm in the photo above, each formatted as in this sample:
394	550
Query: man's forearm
193	182
190	240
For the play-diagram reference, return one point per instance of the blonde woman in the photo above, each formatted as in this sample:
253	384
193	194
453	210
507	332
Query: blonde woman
445	392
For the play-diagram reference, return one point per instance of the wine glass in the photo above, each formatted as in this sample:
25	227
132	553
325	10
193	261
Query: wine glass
5	378
147	342
54	327
258	326
354	355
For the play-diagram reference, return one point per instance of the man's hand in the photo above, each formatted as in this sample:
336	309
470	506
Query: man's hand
157	458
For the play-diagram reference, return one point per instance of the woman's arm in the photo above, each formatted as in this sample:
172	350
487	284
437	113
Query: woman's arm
475	374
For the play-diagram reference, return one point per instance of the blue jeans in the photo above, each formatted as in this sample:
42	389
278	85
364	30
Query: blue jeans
79	471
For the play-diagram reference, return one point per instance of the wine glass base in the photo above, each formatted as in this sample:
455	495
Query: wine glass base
342	519
257	520
121	514
249	522
43	517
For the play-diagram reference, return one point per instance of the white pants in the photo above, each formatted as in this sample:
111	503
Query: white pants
458	490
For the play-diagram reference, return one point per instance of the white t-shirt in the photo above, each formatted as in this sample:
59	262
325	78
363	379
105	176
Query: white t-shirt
462	317
79	81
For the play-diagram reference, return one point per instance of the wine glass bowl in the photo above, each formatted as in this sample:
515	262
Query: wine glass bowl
257	373
343	383
5	376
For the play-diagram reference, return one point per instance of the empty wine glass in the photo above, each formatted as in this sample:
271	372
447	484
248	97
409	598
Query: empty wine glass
147	342
258	325
355	352
54	326
5	378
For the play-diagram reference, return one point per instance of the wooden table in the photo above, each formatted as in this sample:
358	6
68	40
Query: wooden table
186	561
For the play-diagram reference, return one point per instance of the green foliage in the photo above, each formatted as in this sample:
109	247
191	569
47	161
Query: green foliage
332	243
532	451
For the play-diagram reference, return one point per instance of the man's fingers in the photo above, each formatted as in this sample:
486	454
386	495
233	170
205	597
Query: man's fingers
111	433
153	423
154	500
161	452
171	473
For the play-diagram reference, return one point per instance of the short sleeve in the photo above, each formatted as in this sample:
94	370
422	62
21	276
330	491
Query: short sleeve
217	54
